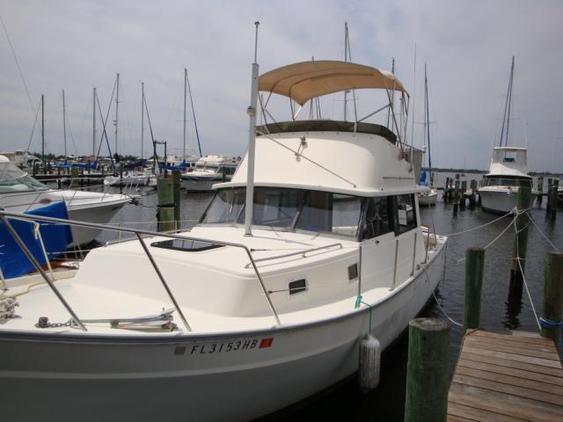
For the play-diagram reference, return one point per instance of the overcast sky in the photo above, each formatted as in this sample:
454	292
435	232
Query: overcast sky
78	45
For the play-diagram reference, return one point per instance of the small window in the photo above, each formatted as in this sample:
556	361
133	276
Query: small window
406	213
353	272
379	219
297	286
185	245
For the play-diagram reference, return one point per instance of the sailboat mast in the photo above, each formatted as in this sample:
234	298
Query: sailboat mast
116	112
185	97
142	120
249	202
345	60
193	114
94	122
64	122
509	100
427	120
43	130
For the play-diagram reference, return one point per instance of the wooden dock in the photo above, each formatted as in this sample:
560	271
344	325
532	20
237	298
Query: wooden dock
506	377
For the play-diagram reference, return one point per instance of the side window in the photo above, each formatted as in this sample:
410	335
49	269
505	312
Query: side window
379	217
406	213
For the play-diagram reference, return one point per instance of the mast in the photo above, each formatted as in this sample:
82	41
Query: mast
185	95
64	122
193	115
94	123
427	122
43	130
507	107
116	112
345	60
390	110
249	203
142	119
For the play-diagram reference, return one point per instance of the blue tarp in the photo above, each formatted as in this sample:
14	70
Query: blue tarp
423	180
56	238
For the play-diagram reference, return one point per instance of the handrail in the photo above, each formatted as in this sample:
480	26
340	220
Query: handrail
108	227
302	252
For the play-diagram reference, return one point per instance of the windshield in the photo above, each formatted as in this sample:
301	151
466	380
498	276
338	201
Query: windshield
288	209
12	179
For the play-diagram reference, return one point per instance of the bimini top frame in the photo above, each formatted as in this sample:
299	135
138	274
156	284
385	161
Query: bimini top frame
306	81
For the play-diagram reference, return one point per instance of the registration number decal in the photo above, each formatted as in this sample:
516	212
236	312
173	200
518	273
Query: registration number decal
236	345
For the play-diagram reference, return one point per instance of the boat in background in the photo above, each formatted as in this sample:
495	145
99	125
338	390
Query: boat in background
209	170
508	170
430	196
19	192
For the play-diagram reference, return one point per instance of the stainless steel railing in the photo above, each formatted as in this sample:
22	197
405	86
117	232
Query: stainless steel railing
5	216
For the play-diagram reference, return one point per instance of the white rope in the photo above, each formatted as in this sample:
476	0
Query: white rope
541	232
481	226
445	313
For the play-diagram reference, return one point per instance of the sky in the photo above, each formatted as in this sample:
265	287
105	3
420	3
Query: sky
467	47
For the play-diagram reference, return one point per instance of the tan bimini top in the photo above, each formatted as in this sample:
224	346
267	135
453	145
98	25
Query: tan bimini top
306	80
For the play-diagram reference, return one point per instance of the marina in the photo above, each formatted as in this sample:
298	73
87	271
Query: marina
309	253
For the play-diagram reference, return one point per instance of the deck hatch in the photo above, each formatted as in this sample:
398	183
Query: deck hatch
185	245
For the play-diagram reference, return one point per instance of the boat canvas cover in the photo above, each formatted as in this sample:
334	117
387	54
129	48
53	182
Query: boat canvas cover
306	80
56	237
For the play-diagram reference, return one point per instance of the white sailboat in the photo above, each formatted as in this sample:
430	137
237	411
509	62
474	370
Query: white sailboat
508	169
270	301
430	196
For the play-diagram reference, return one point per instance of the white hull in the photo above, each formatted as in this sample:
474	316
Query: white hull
101	214
428	198
131	180
500	199
179	378
199	185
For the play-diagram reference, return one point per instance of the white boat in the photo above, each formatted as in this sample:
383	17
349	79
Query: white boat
132	179
508	170
256	307
20	192
428	197
507	173
209	170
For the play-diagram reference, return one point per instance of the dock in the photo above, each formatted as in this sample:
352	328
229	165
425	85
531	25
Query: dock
513	376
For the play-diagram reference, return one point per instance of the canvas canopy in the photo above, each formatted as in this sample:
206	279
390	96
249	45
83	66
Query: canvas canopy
306	80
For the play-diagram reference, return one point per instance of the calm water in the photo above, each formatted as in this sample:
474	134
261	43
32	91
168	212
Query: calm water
499	309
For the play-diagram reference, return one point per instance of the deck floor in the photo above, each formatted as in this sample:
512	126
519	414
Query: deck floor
506	377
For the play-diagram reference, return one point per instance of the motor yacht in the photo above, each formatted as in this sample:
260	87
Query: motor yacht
208	170
255	308
20	192
507	173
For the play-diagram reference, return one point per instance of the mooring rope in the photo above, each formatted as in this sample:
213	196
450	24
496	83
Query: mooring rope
542	233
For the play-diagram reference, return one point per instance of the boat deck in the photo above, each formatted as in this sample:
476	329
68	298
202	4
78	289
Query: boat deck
509	377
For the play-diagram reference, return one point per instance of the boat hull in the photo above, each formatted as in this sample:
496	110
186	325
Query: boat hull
428	199
99	214
200	185
213	377
498	200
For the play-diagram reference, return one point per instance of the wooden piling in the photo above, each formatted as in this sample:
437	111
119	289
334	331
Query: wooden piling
551	209
427	370
474	270
540	190
462	195
553	296
165	214
456	196
176	186
473	187
521	239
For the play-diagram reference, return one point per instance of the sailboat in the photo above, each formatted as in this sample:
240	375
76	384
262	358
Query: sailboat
428	197
508	170
258	306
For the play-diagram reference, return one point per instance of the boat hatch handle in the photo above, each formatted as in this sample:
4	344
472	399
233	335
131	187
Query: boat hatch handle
163	281
413	253
395	265
303	253
137	232
34	262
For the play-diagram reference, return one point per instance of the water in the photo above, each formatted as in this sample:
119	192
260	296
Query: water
499	310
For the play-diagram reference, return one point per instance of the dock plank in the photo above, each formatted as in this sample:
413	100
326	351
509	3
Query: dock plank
508	377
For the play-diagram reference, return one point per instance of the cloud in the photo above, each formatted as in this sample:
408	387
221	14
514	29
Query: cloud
78	45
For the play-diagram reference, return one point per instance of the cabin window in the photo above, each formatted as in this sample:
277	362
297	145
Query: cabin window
276	207
297	286
225	207
379	217
509	156
406	213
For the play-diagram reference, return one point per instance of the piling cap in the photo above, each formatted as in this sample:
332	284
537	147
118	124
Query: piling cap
429	324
